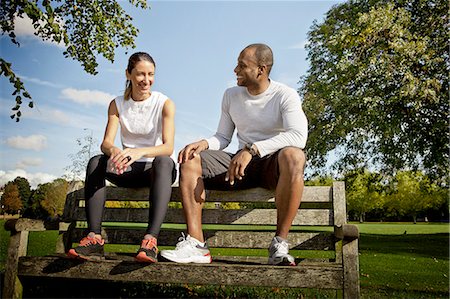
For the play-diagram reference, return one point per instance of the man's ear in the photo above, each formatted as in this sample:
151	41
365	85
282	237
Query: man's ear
262	69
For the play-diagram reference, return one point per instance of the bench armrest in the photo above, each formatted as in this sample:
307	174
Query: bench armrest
346	232
26	224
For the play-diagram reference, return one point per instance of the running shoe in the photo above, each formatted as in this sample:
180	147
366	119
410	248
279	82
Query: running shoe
89	247
279	253
148	253
188	250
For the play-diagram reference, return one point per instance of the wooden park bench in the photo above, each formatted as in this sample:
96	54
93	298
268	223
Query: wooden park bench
228	228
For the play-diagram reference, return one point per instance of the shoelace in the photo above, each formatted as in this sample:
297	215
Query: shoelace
148	244
282	247
87	241
183	241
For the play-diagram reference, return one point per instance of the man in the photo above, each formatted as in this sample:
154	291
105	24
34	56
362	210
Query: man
272	131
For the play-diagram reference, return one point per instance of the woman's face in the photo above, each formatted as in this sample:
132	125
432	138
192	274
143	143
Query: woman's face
142	77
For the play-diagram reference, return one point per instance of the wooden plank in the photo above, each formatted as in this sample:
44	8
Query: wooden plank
310	194
17	247
218	239
351	269
26	224
305	276
340	214
217	216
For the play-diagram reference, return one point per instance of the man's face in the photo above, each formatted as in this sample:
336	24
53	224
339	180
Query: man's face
247	68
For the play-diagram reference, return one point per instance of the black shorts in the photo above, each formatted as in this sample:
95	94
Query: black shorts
260	172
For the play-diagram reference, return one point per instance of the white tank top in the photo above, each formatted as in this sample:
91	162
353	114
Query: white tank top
141	121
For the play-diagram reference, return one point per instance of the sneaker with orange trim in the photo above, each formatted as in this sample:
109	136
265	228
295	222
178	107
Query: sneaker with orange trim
148	253
89	247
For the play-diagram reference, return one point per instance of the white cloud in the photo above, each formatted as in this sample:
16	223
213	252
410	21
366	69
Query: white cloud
33	178
32	142
39	81
48	114
27	162
87	97
300	45
23	28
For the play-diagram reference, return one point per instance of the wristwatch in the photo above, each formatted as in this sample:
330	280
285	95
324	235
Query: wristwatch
251	149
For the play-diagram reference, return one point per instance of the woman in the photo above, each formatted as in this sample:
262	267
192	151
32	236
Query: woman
147	130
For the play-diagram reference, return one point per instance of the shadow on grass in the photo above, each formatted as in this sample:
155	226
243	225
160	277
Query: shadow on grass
433	245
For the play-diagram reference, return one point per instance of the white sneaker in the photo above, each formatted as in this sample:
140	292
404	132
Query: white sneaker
188	250
279	253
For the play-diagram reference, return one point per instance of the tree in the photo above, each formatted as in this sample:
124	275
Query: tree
86	28
11	202
364	192
376	92
24	191
54	196
413	193
80	160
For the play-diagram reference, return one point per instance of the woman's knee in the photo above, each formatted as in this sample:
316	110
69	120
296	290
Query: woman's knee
165	166
95	162
164	162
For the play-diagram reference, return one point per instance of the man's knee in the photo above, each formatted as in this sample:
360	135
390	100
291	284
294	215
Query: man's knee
191	165
293	159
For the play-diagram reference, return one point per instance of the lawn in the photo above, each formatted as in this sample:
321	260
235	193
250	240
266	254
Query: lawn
397	260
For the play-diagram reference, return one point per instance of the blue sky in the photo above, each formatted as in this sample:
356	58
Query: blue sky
195	45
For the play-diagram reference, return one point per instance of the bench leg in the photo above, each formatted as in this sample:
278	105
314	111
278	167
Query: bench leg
351	269
17	247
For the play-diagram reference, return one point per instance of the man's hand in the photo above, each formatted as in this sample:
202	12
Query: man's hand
192	150
236	170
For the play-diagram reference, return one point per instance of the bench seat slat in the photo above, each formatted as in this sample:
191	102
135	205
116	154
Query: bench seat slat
316	275
218	216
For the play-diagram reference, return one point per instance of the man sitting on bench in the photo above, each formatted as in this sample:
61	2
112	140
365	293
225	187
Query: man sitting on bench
272	131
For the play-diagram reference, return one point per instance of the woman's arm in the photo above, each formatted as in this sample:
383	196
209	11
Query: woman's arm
107	146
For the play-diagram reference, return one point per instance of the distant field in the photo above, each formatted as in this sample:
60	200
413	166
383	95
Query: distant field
397	260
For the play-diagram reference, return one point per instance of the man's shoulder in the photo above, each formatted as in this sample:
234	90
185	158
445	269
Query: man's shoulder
233	90
284	90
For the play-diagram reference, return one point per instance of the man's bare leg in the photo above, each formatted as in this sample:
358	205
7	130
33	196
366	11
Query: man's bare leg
289	190
193	196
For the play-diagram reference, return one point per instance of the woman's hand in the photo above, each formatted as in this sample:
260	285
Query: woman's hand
121	159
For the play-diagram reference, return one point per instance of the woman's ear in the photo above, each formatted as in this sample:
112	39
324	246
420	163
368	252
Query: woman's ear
127	74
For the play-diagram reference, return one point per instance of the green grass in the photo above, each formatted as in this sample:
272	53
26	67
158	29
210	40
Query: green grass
397	260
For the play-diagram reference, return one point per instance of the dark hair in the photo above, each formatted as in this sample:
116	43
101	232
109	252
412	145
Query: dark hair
132	61
263	55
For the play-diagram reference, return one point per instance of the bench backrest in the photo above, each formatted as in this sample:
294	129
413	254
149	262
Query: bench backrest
226	224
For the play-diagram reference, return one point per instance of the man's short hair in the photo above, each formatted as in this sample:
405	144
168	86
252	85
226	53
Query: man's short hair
263	54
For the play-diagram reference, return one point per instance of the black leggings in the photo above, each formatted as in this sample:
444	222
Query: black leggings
159	176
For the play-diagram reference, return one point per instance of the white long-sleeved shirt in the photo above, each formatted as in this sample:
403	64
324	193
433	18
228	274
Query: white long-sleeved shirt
271	120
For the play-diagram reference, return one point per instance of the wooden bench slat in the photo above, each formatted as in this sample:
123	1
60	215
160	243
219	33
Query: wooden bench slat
310	194
304	276
218	216
219	239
